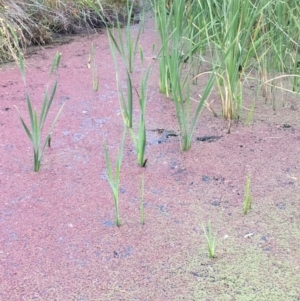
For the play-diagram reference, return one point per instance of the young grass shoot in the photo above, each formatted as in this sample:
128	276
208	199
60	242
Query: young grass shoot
114	179
248	197
210	239
35	130
140	140
128	48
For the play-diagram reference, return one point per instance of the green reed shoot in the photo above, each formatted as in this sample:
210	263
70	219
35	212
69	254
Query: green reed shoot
248	197
126	103
182	28
140	141
142	205
163	25
187	122
35	130
128	48
210	239
93	66
114	180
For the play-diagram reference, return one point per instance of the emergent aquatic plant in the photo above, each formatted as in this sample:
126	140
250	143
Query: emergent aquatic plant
248	197
140	140
126	104
114	180
128	48
210	239
37	123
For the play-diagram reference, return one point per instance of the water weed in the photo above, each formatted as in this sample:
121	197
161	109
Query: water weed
114	180
34	132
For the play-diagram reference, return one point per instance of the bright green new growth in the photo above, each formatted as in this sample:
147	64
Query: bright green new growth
114	180
210	239
248	197
37	123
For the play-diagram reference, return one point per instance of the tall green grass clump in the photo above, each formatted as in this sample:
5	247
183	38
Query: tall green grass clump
182	28
182	42
35	129
170	23
233	42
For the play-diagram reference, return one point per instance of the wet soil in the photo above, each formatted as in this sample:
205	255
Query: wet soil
58	240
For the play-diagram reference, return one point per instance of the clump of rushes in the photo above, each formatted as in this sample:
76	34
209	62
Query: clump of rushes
181	39
37	123
114	180
235	41
210	239
182	30
92	64
248	197
171	25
